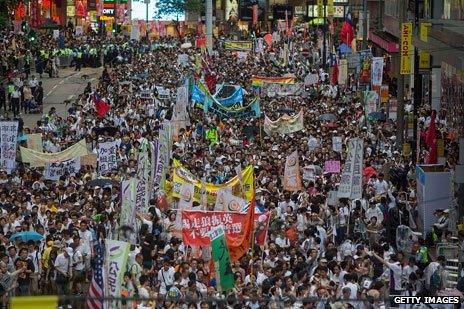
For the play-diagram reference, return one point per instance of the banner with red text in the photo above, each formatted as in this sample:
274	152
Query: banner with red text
197	224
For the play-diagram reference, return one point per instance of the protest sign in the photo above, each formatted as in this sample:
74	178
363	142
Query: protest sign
226	201
292	178
187	191
34	142
39	158
53	171
377	71
351	177
285	124
332	166
332	198
311	79
128	193
8	140
182	59
221	260
180	117
238	45
197	224
156	165
116	256
165	142
337	144
107	160
309	173
181	175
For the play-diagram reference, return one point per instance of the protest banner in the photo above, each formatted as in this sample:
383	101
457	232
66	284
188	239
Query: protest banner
221	260
8	140
182	59
165	141
311	79
34	142
107	160
351	177
180	117
156	166
259	81
238	45
114	265
337	144
292	177
342	71
39	158
226	201
285	124
370	99
53	171
309	173
196	224
181	175
332	166
128	193
377	71
332	198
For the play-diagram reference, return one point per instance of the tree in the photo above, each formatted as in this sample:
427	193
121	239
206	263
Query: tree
176	7
7	7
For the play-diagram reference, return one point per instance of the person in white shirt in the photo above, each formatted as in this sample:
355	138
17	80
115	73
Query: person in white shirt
78	263
396	272
63	267
166	277
282	241
380	185
350	280
374	211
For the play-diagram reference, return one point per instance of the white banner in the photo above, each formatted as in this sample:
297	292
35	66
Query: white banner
337	144
226	201
311	79
182	59
115	266
180	118
53	171
377	71
107	157
8	140
351	177
342	71
128	188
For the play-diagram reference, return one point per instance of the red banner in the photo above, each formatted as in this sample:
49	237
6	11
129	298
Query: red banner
81	8
255	14
197	224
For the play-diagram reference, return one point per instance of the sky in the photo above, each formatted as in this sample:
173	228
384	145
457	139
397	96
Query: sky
139	11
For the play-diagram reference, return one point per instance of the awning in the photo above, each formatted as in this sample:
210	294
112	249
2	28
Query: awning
384	41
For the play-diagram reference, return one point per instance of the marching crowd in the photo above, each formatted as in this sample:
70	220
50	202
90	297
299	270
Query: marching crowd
345	253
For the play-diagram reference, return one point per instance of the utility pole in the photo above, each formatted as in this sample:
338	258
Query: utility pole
417	89
209	25
400	92
147	2
364	44
324	31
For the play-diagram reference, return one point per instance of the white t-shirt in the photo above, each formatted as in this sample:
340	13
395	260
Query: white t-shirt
166	277
397	270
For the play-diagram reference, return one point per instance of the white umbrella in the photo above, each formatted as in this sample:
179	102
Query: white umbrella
186	45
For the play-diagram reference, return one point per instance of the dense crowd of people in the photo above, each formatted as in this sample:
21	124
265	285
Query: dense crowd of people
345	253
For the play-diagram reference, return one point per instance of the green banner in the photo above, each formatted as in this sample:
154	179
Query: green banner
221	259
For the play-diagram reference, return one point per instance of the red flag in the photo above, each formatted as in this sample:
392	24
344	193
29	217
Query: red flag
237	250
335	74
101	107
211	80
431	140
255	14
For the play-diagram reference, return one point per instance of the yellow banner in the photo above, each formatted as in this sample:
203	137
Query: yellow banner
34	302
320	8
406	48
424	60
330	8
183	176
38	158
241	45
424	31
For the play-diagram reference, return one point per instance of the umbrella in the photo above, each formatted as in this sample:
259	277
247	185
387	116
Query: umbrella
286	110
327	117
110	130
345	49
186	45
102	182
26	236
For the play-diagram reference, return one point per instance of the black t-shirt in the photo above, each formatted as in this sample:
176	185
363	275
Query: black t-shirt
24	278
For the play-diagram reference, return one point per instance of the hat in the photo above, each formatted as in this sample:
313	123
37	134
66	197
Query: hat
446	211
57	243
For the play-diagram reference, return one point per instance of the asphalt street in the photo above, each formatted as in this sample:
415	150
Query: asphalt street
67	86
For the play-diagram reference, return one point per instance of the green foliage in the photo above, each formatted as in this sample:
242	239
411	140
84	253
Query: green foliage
6	9
177	7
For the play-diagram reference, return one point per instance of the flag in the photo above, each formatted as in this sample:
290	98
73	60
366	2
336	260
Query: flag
335	74
97	286
211	81
221	260
346	33
101	107
431	140
237	250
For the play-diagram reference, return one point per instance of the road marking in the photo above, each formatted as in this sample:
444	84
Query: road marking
70	96
61	82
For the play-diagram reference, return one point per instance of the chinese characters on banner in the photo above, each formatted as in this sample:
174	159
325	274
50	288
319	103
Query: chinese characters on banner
128	190
165	140
377	71
8	139
351	178
292	177
53	171
332	166
143	181
107	160
115	265
157	166
221	259
180	118
197	224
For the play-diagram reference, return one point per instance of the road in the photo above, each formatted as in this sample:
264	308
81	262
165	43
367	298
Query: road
66	87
